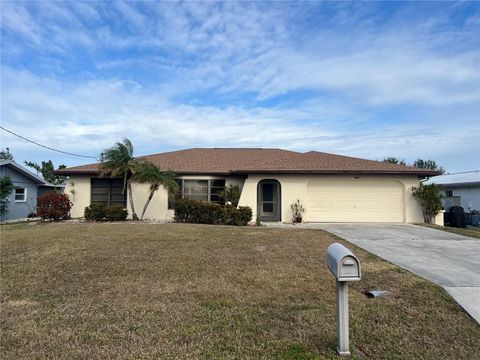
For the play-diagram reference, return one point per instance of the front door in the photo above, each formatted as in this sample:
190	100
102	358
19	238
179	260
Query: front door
269	200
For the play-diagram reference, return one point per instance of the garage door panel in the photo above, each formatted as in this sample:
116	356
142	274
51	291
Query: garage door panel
355	201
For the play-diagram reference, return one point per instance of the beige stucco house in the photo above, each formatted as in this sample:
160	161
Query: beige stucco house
332	188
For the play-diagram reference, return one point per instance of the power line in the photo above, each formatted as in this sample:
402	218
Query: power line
47	147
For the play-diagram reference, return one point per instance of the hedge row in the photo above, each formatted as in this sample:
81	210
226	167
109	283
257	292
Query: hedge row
97	212
200	212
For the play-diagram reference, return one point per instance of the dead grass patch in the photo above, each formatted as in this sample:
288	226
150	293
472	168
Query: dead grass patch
191	291
471	232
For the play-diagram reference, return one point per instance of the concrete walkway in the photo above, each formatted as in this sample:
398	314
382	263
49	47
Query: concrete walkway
449	260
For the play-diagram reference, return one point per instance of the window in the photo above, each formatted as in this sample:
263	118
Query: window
449	193
20	194
195	189
202	190
108	192
217	191
177	195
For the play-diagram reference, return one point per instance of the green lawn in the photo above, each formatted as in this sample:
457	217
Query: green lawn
91	291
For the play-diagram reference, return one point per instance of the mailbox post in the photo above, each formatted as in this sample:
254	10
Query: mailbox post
345	267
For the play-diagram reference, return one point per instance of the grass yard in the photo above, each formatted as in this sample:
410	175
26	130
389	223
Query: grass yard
90	291
474	233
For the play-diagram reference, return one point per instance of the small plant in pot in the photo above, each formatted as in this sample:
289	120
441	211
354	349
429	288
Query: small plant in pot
297	211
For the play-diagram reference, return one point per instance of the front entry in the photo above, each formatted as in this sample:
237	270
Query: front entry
268	206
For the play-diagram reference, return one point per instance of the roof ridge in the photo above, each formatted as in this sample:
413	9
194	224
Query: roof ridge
215	148
243	160
362	159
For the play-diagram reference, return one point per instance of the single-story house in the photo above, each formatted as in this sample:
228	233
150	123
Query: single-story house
332	188
27	186
460	189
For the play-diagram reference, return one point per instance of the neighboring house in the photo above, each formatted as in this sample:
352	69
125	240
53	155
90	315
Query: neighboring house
23	200
332	188
460	189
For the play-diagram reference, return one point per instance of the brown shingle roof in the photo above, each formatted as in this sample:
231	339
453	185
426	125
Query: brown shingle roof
250	160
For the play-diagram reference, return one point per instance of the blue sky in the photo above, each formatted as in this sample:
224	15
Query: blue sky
369	79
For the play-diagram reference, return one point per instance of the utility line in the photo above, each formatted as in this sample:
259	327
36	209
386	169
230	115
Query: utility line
47	147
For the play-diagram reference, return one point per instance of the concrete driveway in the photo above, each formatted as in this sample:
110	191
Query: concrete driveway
449	260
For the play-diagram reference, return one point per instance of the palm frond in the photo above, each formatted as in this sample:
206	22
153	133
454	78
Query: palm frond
147	172
118	160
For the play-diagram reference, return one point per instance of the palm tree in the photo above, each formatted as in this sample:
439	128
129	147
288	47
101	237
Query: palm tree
149	173
119	161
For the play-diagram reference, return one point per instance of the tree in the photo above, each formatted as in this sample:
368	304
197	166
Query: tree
428	164
5	154
395	160
149	173
119	161
6	189
430	199
46	169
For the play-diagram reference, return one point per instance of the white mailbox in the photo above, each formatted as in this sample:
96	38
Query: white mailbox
345	267
342	263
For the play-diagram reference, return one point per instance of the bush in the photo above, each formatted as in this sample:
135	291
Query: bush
232	194
209	213
186	210
98	212
297	211
95	212
237	217
430	199
116	213
53	206
193	211
6	188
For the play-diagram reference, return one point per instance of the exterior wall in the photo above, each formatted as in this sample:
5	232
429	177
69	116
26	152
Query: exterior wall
294	187
157	209
78	190
469	196
20	210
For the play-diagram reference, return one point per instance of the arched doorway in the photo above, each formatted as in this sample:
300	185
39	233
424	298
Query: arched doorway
269	200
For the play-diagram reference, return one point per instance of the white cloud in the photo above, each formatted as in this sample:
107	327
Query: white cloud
363	72
89	116
233	48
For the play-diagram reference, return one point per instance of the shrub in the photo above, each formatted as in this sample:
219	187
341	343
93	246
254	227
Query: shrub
209	213
6	189
232	194
185	210
193	211
430	199
297	211
95	212
116	213
99	212
53	206
237	217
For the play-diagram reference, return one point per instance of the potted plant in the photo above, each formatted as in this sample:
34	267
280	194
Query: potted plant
297	211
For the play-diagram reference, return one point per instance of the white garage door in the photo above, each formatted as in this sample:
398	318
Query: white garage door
354	201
